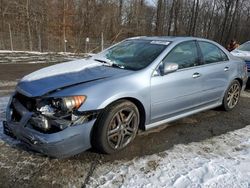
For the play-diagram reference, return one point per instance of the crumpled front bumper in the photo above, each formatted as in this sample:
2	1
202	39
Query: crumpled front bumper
70	141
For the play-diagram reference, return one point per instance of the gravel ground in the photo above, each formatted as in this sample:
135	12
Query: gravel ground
22	168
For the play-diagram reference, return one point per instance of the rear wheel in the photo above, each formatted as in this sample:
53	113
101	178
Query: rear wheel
116	127
232	96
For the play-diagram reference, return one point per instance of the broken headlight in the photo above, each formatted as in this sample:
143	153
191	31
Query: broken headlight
68	104
58	113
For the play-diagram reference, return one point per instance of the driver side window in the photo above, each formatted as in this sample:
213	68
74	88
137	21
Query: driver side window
184	54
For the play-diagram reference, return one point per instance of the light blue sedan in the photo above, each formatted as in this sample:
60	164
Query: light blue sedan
139	83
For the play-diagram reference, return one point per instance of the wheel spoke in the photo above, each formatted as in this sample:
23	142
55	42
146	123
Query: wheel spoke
233	102
230	103
119	141
114	132
119	118
130	129
129	133
122	140
130	117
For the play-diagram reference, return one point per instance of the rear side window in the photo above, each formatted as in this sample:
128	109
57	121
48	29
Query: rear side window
184	54
211	53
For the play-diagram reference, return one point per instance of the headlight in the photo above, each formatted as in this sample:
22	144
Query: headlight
69	103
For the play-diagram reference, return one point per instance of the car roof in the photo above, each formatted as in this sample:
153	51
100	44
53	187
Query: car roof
168	38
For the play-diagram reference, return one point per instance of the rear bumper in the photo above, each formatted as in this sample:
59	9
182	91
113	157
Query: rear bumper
65	143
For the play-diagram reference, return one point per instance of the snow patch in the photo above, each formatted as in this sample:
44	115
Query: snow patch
245	94
4	83
3	138
38	53
3	104
222	161
28	52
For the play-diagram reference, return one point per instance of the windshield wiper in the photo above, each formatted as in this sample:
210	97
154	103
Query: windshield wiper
104	61
110	63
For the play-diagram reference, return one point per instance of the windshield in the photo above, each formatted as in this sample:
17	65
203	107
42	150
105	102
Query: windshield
245	47
135	54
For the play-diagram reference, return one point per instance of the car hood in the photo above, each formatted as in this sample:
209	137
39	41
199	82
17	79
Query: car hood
64	75
245	55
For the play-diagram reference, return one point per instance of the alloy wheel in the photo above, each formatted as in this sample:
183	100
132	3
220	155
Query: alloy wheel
122	128
233	95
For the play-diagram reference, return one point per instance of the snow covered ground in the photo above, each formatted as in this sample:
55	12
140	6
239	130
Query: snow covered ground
222	161
35	52
4	83
3	137
31	57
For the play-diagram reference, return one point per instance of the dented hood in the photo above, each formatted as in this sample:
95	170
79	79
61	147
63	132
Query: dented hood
64	75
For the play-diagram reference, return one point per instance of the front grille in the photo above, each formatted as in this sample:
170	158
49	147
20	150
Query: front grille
21	104
28	102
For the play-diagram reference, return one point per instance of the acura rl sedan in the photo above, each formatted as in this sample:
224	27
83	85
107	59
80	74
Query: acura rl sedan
138	84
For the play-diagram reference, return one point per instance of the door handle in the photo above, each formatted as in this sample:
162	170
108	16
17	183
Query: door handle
226	69
196	75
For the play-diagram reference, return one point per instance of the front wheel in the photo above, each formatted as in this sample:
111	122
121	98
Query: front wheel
116	127
232	96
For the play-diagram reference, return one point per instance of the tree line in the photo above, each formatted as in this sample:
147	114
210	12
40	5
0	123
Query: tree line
60	25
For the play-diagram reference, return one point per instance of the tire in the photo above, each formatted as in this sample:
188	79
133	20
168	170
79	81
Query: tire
116	127
232	96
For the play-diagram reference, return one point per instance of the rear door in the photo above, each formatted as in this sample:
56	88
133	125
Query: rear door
177	92
215	73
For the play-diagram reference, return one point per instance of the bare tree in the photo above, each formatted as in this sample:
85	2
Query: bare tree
46	25
28	23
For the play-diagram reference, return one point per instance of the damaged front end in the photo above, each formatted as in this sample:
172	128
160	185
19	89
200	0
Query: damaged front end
52	126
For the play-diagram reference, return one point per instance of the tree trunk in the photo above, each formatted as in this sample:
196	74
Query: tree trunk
159	21
28	24
11	40
2	42
171	17
192	17
120	12
64	27
177	8
210	20
232	21
227	8
195	17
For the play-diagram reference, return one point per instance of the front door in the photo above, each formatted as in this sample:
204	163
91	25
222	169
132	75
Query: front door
179	91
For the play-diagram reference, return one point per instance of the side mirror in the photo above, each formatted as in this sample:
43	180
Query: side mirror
168	68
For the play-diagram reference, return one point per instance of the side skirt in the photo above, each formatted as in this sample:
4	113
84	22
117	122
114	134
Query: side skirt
168	120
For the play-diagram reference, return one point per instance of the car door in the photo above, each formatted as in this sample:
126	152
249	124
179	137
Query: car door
179	91
215	73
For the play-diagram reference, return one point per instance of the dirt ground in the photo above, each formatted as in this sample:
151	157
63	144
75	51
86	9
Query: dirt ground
22	168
